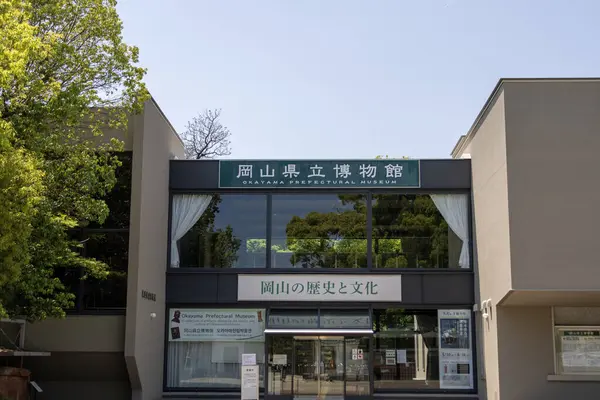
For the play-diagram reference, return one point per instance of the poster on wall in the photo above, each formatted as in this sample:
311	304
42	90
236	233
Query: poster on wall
456	361
580	350
216	325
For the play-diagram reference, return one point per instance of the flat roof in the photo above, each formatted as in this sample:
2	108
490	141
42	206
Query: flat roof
464	140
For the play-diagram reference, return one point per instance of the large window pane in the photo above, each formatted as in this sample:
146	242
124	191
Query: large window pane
358	353
113	249
206	346
231	233
319	231
406	349
409	231
280	365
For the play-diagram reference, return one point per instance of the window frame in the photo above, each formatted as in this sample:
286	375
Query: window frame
557	347
370	269
204	389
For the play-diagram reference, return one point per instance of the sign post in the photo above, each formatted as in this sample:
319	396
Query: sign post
250	377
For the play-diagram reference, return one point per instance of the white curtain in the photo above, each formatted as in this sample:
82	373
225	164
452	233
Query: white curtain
455	210
187	210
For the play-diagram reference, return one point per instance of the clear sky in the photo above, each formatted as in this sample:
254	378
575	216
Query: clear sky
352	78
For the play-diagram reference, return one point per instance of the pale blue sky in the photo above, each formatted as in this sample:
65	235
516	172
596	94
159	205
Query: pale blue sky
351	78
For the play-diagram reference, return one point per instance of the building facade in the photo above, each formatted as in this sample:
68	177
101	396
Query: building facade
345	278
473	277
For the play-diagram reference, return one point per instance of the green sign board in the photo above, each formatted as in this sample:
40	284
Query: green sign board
319	174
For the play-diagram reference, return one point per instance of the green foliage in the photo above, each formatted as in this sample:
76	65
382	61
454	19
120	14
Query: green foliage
65	76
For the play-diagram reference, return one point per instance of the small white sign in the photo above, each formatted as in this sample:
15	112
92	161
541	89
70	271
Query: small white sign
390	353
280	359
250	378
248	359
401	356
390	361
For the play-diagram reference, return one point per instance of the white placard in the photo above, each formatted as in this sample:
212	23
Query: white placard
216	325
456	358
280	359
580	349
390	361
401	356
318	287
248	359
250	378
390	353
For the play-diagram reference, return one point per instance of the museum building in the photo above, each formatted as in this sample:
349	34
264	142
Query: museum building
344	278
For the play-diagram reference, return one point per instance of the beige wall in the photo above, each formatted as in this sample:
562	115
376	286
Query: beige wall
86	333
536	192
154	144
525	337
553	137
491	229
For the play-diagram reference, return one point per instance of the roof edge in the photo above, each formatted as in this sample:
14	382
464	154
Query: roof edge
153	100
464	140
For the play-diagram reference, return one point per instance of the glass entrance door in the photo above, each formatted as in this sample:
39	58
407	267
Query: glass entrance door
319	367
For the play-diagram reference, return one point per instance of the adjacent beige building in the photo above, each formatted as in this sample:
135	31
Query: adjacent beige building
534	154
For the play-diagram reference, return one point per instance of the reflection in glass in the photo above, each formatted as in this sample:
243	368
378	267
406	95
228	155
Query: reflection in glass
406	349
113	249
210	364
293	319
410	232
357	366
319	231
345	319
231	233
280	365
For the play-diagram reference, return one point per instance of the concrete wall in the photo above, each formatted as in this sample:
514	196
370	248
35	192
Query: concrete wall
488	157
85	333
525	337
154	144
552	140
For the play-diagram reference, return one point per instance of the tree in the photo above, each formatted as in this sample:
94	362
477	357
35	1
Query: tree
65	76
206	137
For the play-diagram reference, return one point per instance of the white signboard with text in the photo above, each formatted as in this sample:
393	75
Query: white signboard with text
219	325
319	287
250	379
456	355
579	349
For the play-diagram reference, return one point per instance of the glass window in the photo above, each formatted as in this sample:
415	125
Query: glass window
578	350
420	231
422	349
113	249
293	319
319	231
206	346
345	319
230	232
358	352
280	365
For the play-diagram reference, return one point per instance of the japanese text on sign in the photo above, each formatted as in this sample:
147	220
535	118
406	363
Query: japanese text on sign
311	287
372	173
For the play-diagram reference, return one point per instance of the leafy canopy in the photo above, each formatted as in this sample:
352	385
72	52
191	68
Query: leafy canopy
65	76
